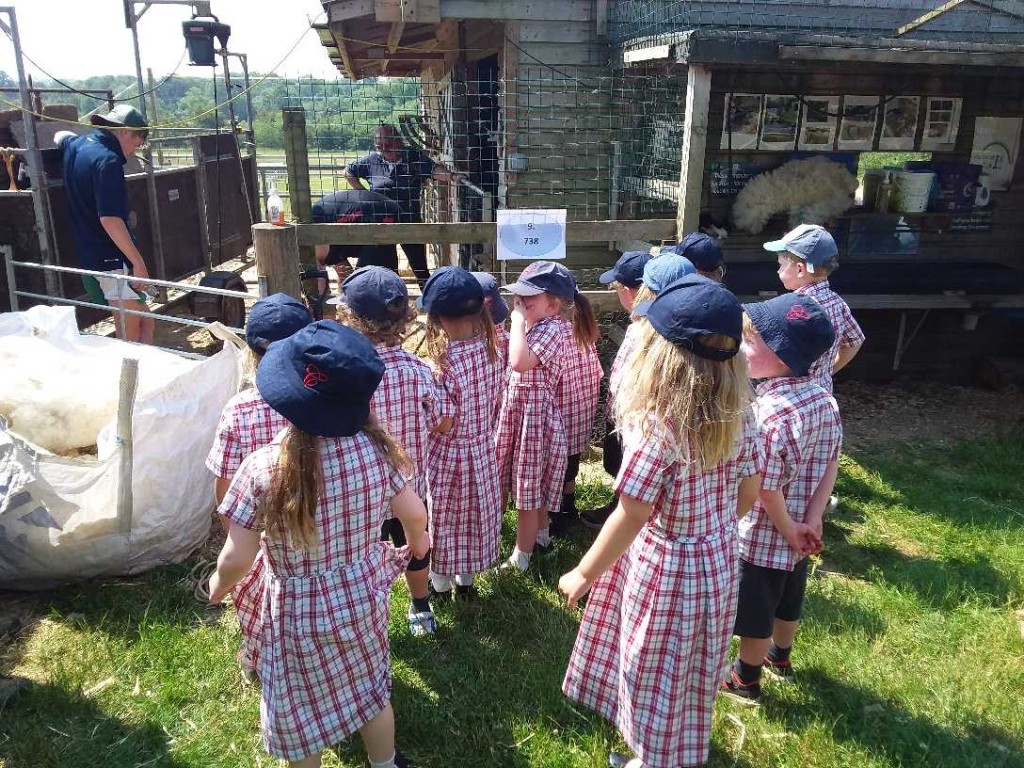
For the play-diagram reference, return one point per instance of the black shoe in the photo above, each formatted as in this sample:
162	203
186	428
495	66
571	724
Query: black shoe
746	694
559	525
465	593
595	518
401	761
568	508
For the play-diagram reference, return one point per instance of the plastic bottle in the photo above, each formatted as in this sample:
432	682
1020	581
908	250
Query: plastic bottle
275	208
884	196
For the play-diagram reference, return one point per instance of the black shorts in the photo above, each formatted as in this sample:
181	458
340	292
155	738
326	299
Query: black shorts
767	594
612	446
392	530
365	255
572	469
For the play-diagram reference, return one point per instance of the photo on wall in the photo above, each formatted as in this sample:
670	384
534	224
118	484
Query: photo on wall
742	121
818	125
780	122
941	123
860	115
899	122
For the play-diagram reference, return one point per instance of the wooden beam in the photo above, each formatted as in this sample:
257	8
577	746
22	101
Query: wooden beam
601	17
516	10
900	56
477	232
348	9
923	19
338	32
395	35
410	11
695	134
277	259
377	54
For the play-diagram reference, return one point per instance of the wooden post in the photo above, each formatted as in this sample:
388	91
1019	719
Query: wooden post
277	259
296	156
695	134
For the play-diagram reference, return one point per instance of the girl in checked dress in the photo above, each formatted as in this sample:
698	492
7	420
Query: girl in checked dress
530	439
248	423
466	501
663	571
313	501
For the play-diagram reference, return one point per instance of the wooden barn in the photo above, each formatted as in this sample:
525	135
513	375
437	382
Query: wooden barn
623	109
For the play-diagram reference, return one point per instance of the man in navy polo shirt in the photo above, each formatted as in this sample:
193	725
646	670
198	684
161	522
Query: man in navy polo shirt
398	172
98	203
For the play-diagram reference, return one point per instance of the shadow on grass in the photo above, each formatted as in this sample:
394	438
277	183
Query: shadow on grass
46	725
840	616
888	731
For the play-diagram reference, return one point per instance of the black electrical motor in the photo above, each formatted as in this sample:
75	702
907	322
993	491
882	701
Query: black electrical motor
199	34
229	310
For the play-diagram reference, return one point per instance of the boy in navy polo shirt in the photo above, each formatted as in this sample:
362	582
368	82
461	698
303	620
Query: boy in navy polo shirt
798	460
98	204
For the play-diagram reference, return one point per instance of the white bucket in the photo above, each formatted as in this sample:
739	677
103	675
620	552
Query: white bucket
912	190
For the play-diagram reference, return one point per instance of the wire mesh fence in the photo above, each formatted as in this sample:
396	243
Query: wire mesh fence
960	25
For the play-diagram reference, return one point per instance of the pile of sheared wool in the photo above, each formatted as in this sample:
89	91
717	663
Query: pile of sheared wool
811	191
55	399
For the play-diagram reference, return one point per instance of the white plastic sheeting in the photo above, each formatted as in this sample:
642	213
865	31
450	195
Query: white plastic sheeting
59	519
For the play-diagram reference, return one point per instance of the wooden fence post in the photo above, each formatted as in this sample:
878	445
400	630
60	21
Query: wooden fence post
695	134
296	157
277	260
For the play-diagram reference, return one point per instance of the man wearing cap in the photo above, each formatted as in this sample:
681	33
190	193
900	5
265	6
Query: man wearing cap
98	205
397	172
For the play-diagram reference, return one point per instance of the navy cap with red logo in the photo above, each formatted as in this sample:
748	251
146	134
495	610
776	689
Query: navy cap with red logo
795	328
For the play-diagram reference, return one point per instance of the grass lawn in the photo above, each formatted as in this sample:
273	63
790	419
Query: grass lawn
910	654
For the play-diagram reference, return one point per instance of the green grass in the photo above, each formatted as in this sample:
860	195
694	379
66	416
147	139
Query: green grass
910	653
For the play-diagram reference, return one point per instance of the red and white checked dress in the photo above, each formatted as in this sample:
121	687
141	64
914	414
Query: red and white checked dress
799	434
579	389
848	332
324	667
466	499
409	404
246	424
501	335
652	645
629	345
530	440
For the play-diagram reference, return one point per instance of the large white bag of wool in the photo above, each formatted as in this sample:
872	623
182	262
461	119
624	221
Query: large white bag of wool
66	519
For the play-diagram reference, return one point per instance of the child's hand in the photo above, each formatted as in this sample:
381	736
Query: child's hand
217	591
803	539
574	585
518	318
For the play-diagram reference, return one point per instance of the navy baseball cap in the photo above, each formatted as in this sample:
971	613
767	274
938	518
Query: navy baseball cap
695	306
321	379
795	328
544	277
628	269
451	292
810	243
701	249
663	270
274	318
374	292
499	308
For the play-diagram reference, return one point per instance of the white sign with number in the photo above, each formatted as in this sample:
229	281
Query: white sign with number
531	234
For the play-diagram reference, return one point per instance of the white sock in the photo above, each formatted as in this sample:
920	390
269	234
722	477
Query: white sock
544	537
441	583
389	763
464	580
520	559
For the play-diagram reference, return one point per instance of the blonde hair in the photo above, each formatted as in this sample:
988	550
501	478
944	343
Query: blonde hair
298	481
436	338
700	402
390	332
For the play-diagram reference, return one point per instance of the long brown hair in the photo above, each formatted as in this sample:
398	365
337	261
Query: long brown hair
297	483
700	402
390	332
585	330
436	338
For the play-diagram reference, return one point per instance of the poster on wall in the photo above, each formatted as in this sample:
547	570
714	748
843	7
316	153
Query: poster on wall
530	234
899	122
857	130
941	123
779	122
996	147
742	120
820	115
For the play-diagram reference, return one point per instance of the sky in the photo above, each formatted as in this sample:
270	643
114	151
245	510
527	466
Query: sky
81	38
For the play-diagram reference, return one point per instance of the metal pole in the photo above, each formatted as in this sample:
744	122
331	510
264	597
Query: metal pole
12	291
39	201
234	133
248	96
152	109
154	209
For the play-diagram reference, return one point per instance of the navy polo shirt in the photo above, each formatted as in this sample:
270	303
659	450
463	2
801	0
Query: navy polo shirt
401	181
94	186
